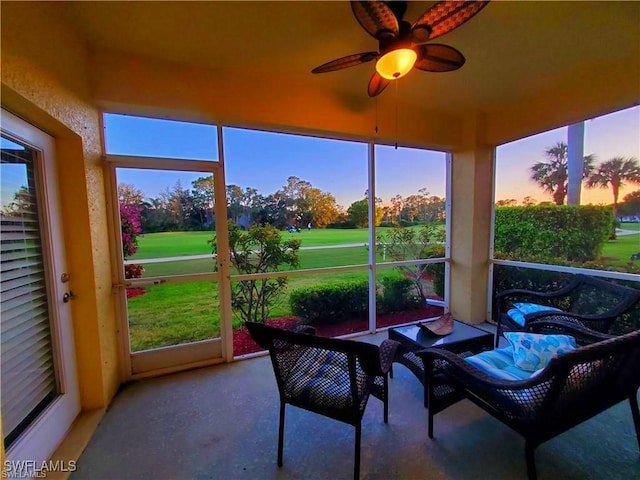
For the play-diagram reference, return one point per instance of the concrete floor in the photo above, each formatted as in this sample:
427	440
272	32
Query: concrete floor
222	422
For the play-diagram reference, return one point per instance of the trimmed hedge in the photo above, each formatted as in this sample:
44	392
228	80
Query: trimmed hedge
572	232
330	302
339	301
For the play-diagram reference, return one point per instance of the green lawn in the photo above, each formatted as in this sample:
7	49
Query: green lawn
333	257
176	313
617	252
175	244
630	226
169	314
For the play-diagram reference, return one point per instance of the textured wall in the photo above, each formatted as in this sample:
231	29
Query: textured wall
44	80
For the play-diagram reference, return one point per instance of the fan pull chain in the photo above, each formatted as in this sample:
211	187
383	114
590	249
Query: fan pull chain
396	82
376	129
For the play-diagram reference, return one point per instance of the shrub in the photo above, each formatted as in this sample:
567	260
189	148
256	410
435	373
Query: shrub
436	270
342	225
330	302
260	249
133	271
339	301
395	294
401	244
408	223
130	228
563	231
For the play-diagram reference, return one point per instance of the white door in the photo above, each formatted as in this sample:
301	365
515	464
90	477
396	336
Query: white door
39	397
172	287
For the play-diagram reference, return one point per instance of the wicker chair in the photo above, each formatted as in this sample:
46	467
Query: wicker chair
572	388
328	376
592	302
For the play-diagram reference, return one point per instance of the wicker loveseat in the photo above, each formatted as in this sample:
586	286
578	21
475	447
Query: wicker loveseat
571	389
328	376
591	301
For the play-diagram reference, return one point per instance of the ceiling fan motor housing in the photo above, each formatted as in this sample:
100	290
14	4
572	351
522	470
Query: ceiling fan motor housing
403	40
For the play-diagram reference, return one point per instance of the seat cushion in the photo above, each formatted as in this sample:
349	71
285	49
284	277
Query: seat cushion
518	313
532	351
499	363
320	378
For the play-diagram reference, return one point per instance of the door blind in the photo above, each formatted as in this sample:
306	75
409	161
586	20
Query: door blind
27	363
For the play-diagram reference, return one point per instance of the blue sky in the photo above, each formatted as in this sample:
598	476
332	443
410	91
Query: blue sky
14	175
264	160
608	136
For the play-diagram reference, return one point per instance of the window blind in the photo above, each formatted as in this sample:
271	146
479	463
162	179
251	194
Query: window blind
28	378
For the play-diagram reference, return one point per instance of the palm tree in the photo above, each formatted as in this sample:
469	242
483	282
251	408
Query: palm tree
552	176
615	172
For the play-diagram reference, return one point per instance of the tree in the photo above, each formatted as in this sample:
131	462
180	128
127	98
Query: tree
552	176
179	203
630	204
614	173
397	203
358	213
435	209
23	202
235	197
412	207
323	208
155	216
258	250
510	202
528	201
303	203
130	195
202	192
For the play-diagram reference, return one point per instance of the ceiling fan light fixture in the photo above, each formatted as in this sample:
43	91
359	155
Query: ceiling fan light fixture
396	63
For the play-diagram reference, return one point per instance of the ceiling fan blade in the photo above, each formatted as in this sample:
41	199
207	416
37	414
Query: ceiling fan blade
346	62
444	17
377	84
399	8
434	57
376	18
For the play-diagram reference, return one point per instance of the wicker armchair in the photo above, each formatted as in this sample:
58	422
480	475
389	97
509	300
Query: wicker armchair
592	302
328	376
572	388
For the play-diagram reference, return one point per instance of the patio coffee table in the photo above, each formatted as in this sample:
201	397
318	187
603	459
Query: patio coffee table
465	340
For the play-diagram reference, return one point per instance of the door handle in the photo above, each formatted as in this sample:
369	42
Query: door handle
68	296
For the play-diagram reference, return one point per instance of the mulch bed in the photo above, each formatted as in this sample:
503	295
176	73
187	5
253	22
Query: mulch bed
243	343
133	292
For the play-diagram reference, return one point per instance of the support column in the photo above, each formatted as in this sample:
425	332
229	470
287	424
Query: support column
575	162
471	202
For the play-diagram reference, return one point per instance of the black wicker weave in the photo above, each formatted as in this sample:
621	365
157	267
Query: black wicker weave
574	387
328	376
591	301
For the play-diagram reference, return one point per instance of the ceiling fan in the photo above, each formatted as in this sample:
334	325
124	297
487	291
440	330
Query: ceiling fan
402	46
